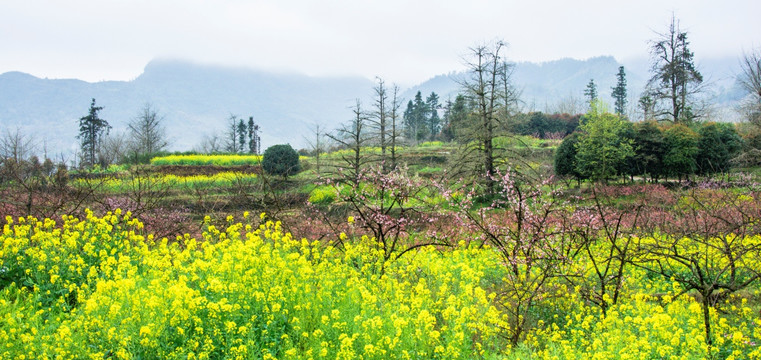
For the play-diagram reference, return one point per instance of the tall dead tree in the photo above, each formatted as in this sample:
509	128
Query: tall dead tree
353	136
489	88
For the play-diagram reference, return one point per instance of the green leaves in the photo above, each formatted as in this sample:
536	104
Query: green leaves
602	147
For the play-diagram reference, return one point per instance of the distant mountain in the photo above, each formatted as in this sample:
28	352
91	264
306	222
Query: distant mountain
545	84
194	99
542	84
198	99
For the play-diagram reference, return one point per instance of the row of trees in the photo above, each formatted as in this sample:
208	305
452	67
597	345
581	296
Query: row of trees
474	119
618	92
242	137
607	146
146	136
421	118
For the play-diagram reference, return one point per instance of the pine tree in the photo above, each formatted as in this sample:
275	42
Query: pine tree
409	122
619	92
433	121
254	146
455	118
91	131
675	80
419	117
591	91
241	136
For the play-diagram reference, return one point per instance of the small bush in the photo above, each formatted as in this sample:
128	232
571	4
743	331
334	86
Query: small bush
281	160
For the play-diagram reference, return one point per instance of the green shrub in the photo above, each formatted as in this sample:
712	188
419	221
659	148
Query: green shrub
281	160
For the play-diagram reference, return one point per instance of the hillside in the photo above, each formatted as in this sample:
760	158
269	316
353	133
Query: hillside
194	99
543	85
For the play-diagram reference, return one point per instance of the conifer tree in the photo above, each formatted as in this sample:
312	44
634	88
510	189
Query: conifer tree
242	130
619	92
254	146
591	91
675	81
91	131
433	121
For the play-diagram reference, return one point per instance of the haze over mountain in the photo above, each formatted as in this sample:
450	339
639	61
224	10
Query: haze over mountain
197	100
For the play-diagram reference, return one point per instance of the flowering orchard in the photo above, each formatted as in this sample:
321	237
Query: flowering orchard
100	287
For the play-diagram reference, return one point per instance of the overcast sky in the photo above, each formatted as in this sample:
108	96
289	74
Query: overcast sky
403	41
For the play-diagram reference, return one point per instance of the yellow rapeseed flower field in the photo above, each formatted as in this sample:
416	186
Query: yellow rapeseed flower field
99	287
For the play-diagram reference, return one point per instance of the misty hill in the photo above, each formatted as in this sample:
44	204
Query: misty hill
544	85
194	99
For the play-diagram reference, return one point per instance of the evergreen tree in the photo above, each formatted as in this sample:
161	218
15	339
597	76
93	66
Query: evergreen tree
619	92
675	80
242	130
647	105
565	157
254	141
419	117
433	121
591	91
458	117
602	147
681	151
649	149
717	145
91	131
409	122
281	160
251	131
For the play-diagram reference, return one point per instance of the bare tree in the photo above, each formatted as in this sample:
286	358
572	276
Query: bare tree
354	137
378	117
489	88
231	134
676	81
317	145
750	80
114	148
210	143
147	131
396	132
569	104
16	146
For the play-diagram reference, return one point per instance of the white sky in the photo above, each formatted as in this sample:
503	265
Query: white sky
403	41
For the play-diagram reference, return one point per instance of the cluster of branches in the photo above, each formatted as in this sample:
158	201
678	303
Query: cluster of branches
381	127
552	243
145	136
240	137
673	90
31	186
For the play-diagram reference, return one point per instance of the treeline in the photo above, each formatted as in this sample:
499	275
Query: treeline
607	146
